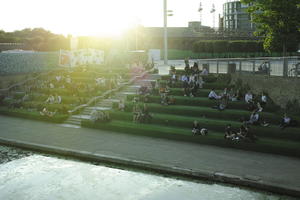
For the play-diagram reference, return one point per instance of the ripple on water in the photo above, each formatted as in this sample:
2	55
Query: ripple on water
40	177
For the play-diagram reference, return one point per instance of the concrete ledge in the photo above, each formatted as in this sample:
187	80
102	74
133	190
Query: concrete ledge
248	181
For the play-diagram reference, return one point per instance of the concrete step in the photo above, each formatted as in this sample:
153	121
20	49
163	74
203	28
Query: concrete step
70	125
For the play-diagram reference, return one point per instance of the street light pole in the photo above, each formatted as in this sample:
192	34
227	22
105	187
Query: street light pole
165	33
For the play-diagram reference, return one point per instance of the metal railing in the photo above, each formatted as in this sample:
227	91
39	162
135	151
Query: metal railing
272	66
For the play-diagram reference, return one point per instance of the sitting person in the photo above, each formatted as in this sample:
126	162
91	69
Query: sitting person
213	96
248	97
143	90
164	99
145	115
229	133
171	100
136	113
287	122
121	106
263	100
256	120
50	99
204	72
58	99
249	100
196	128
25	98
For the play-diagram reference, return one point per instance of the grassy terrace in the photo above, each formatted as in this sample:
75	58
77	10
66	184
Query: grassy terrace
175	121
14	106
267	145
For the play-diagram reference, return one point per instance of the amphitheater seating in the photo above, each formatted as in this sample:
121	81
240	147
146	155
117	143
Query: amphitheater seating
175	121
71	98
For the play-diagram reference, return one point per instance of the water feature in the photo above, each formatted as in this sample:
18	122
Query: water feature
35	176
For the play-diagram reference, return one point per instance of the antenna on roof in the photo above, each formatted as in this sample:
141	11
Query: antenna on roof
213	10
200	9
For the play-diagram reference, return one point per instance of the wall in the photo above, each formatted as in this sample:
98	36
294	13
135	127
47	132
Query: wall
14	63
280	90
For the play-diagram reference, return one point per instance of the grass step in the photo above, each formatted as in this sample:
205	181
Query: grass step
199	101
211	124
266	145
23	113
197	111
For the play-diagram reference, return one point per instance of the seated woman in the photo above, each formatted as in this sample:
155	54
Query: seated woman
287	122
213	96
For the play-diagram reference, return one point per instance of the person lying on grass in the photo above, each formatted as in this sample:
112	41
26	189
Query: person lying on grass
197	130
47	113
287	122
255	119
213	95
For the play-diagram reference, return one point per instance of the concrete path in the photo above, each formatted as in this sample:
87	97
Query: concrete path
271	172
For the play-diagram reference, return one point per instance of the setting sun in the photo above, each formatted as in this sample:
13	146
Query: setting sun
99	17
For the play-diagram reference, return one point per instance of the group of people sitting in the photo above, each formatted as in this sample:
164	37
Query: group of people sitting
243	133
54	99
100	116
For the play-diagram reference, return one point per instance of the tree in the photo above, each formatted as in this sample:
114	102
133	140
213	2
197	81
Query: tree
278	21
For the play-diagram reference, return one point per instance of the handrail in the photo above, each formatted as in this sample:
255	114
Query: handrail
108	92
25	81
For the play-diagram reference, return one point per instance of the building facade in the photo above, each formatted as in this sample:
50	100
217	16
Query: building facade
236	17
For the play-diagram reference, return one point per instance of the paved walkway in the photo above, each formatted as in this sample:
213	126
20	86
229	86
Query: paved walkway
275	173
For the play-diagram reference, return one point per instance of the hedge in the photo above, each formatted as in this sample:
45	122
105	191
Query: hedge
282	147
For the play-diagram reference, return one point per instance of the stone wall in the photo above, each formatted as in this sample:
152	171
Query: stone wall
279	89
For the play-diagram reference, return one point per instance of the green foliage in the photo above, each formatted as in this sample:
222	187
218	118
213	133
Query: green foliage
278	22
37	39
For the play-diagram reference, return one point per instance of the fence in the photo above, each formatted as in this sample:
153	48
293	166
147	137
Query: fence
274	66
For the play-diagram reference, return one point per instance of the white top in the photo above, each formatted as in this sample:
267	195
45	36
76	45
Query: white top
248	97
204	72
254	117
213	94
264	98
286	120
184	78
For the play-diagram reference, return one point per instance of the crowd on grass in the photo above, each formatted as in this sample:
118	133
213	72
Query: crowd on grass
59	91
191	81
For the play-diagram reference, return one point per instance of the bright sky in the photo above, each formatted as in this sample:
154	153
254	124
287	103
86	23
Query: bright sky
100	17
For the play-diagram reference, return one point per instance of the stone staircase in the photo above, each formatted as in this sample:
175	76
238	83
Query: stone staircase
74	121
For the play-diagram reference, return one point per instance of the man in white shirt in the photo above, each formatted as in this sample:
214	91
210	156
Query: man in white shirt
248	97
213	96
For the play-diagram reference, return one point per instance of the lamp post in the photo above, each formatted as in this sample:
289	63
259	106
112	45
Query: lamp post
166	14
